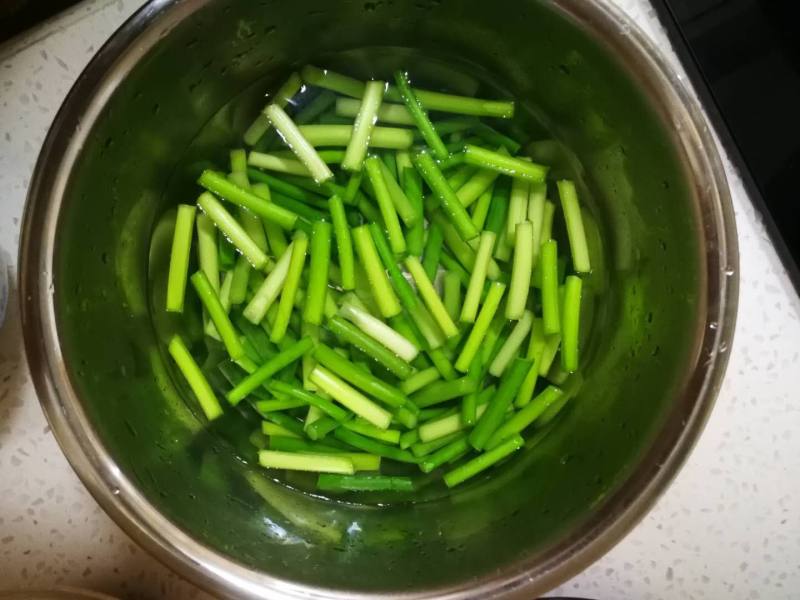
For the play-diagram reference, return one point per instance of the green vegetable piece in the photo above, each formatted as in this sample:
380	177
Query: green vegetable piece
218	314
269	290
195	378
333	81
575	230
179	257
477	279
261	124
320	463
290	286
502	163
281	360
450	203
500	402
364	124
512	344
481	326
344	243
350	334
420	116
385	297
433	250
550	303
521	271
392	114
390	138
459	104
390	436
442	391
207	254
296	141
321	233
408	211
364	483
375	174
373	447
305	397
452	451
570	323
483	462
430	297
476	186
452	294
219	185
526	416
350	397
480	211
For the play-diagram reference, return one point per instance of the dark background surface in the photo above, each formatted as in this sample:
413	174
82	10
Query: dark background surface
743	57
18	15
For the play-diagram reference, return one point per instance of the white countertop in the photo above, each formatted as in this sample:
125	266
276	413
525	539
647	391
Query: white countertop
728	527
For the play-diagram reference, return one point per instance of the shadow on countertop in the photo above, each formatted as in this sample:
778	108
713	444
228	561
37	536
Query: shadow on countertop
13	367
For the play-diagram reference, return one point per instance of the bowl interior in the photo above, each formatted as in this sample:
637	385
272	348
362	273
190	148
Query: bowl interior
188	101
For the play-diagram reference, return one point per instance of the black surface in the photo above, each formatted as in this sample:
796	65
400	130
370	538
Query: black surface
18	15
743	57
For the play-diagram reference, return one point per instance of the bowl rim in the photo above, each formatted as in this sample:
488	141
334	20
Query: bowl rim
667	93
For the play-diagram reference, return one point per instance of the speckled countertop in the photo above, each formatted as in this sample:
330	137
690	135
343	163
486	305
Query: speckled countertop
729	527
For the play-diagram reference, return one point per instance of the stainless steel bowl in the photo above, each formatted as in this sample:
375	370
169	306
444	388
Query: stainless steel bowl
127	132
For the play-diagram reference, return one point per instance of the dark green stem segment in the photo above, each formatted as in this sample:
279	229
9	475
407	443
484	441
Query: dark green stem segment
404	290
290	287
503	163
350	334
280	186
383	197
450	203
367	445
496	409
329	482
288	444
452	266
344	243
219	184
179	257
550	302
498	209
382	290
420	116
424	449
433	250
412	186
293	391
442	391
269	368
321	427
442	364
452	451
362	379
570	323
526	416
218	314
195	378
287	422
321	234
483	461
